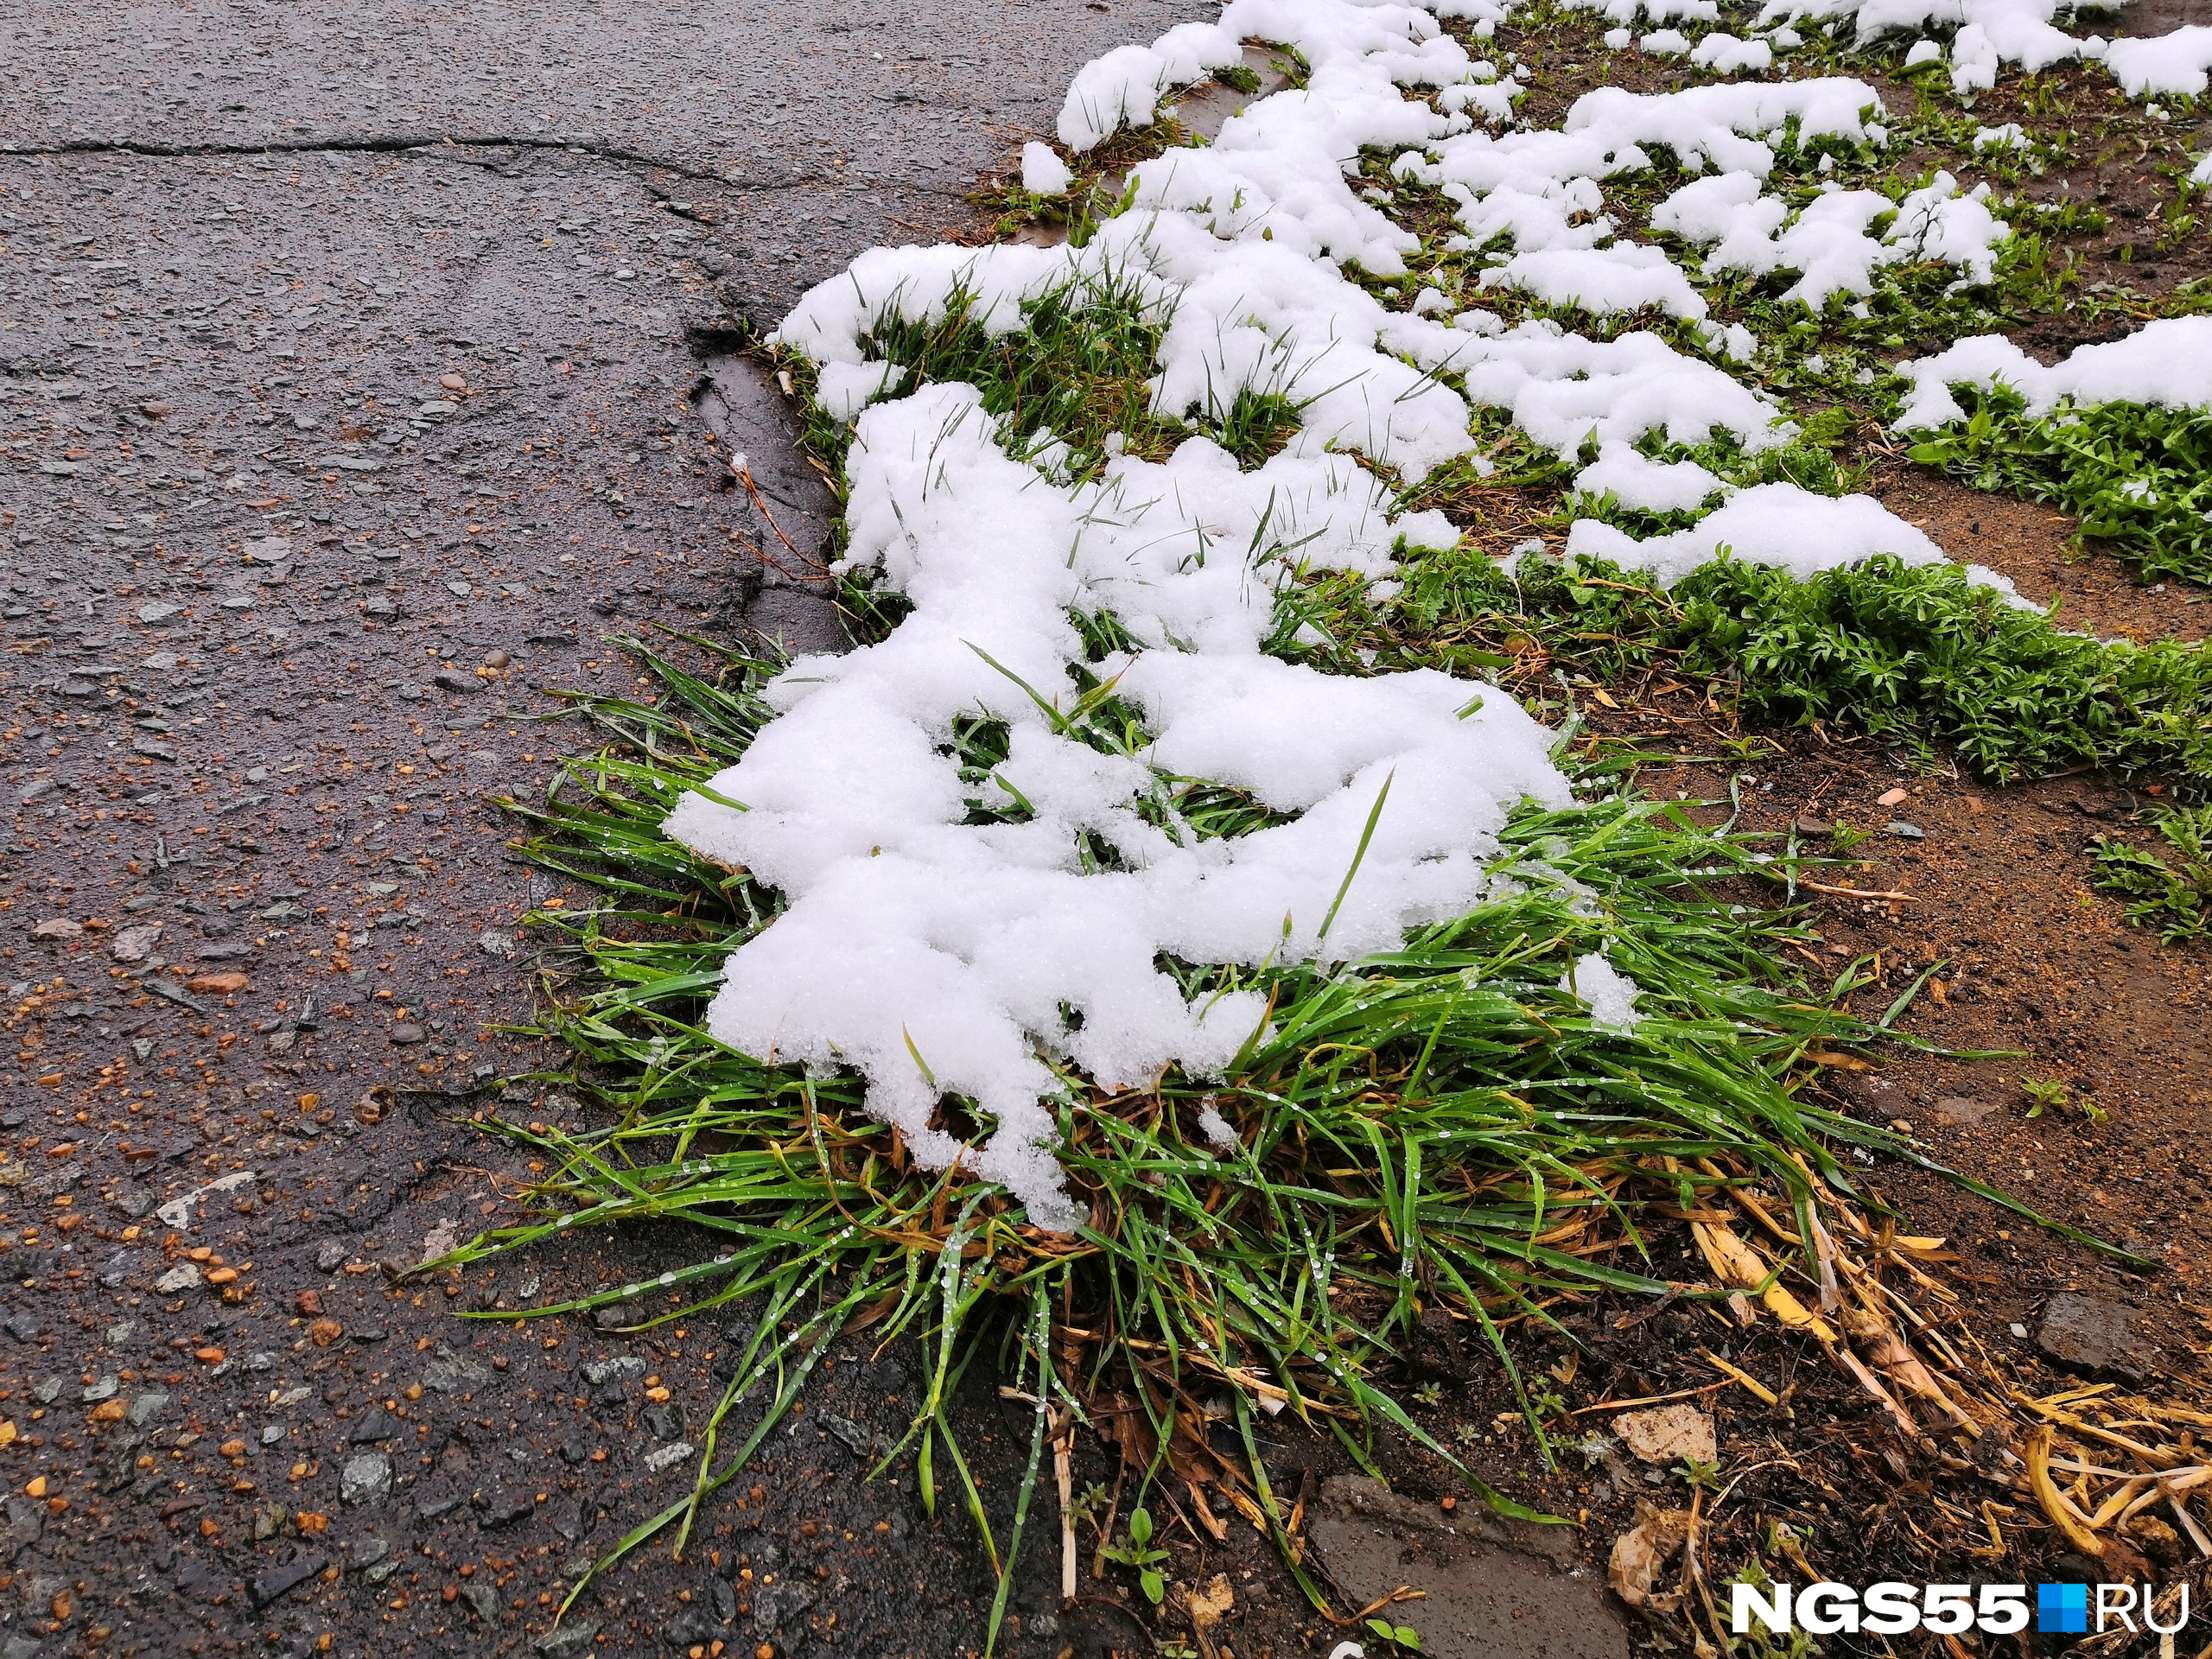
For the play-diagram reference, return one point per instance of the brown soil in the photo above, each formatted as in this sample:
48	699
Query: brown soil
2037	546
2033	962
2149	17
2117	149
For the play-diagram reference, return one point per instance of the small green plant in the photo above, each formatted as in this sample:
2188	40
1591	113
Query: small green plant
1134	1548
1700	1476
1404	1638
1087	1506
2047	1093
1759	1643
1846	836
2043	1093
2139	475
2176	897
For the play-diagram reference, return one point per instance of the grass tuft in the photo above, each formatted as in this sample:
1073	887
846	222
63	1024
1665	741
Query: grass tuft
1440	1128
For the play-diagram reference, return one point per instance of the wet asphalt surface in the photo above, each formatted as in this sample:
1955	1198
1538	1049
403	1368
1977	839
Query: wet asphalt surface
351	365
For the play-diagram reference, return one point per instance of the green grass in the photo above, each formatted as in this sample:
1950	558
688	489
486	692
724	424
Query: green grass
1437	1125
2138	476
1913	656
1074	372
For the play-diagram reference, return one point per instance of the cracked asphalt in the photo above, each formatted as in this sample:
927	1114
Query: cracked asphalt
353	390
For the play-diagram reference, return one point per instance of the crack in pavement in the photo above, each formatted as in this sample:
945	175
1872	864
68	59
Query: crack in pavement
414	144
394	143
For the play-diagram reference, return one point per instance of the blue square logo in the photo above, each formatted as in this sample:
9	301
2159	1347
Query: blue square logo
2062	1609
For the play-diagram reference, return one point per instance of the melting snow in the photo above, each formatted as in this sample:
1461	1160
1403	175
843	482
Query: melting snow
937	956
940	955
2167	362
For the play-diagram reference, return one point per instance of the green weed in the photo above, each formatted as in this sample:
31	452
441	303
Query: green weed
1402	1638
2176	897
1134	1549
2137	475
2044	1094
1912	654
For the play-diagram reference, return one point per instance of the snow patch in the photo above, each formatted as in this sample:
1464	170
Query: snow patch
2167	363
1610	994
937	955
1828	241
1725	54
1778	524
1043	173
1638	482
845	389
2176	64
1125	87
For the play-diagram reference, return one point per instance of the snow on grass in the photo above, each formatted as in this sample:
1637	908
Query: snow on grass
2166	364
1624	277
1125	87
1564	391
1725	54
2176	64
1827	241
1610	992
1780	525
939	955
988	931
1993	34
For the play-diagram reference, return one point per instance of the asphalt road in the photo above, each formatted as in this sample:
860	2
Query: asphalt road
348	364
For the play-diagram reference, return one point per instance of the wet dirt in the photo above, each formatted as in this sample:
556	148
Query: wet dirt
1496	1592
2145	18
2042	550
